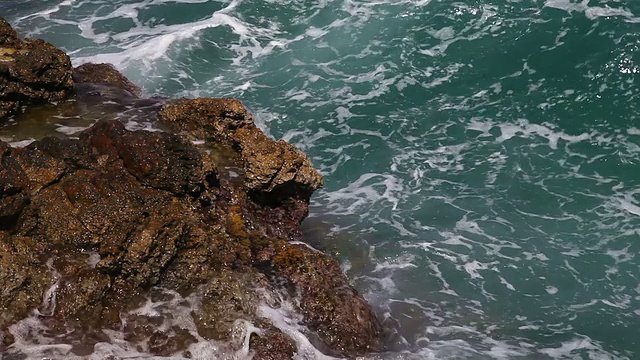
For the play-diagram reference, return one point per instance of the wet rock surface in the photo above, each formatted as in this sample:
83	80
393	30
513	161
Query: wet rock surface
278	178
93	228
31	72
104	74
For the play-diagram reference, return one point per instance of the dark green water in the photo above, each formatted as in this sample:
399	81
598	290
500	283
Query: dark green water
481	158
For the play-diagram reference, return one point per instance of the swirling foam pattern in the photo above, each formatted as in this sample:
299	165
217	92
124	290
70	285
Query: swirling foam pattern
482	158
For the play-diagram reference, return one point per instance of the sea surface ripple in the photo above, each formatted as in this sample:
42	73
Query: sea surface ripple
481	158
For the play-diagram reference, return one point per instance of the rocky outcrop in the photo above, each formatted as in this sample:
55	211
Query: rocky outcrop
156	215
277	176
208	210
31	72
104	74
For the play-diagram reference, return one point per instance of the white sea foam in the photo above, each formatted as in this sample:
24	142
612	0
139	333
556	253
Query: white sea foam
472	268
47	12
93	259
146	48
70	130
524	128
33	339
365	191
402	262
148	45
591	12
286	319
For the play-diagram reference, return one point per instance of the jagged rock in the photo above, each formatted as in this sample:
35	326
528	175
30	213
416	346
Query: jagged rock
23	278
8	36
223	301
104	74
271	344
270	167
276	175
158	160
275	168
13	187
142	202
111	217
215	120
31	72
342	319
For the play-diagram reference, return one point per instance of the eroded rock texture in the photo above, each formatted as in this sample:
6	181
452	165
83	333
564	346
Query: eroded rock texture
104	74
118	216
31	72
277	176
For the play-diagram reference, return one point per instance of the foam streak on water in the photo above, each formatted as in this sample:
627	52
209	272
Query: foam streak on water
481	157
165	312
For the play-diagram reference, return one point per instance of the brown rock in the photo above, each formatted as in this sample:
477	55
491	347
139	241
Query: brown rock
271	344
158	160
115	214
8	36
123	195
225	299
275	169
85	295
13	188
210	119
270	166
31	72
105	74
340	316
141	202
41	168
277	177
22	276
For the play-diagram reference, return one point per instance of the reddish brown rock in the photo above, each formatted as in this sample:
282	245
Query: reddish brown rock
270	167
40	168
280	180
8	36
117	217
276	176
23	277
31	72
105	74
158	160
215	120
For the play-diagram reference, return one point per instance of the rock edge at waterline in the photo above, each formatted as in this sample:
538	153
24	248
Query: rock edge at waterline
107	218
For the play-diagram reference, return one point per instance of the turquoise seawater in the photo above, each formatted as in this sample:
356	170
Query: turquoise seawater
481	158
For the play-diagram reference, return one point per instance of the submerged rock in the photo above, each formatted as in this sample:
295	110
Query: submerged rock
93	226
31	72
